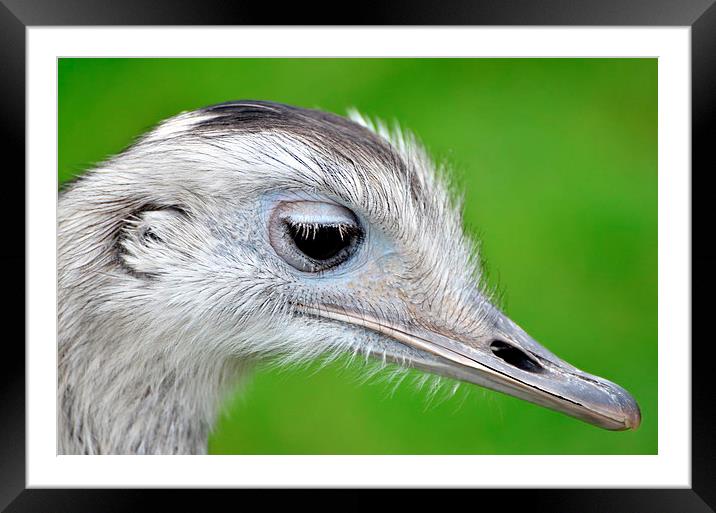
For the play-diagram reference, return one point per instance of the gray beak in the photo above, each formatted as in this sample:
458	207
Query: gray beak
510	361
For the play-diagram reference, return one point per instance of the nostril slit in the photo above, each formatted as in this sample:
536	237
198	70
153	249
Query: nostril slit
514	356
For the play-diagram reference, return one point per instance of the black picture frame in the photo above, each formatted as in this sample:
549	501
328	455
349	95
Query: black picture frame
17	15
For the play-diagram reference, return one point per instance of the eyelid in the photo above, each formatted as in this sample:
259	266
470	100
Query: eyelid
315	212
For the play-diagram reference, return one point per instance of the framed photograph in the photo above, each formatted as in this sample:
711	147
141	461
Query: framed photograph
381	256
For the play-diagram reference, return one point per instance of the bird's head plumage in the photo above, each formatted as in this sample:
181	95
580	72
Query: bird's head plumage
254	229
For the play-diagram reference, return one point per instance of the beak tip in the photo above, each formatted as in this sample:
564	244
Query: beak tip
632	417
628	409
611	407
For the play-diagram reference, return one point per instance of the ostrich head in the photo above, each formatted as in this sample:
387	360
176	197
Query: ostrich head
252	229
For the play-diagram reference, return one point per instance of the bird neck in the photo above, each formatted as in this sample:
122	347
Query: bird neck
117	399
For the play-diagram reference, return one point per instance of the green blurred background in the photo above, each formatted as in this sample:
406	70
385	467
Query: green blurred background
558	158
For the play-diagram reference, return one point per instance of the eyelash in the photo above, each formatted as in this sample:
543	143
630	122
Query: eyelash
307	228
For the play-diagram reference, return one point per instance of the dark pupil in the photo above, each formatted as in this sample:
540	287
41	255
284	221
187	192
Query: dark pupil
320	242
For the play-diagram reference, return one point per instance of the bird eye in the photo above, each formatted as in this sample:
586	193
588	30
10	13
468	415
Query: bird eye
314	236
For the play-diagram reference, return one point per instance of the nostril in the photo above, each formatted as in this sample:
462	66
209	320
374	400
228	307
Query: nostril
514	356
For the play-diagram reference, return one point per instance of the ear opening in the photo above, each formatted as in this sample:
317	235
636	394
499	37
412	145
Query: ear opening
143	239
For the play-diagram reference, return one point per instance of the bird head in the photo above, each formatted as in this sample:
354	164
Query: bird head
260	229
